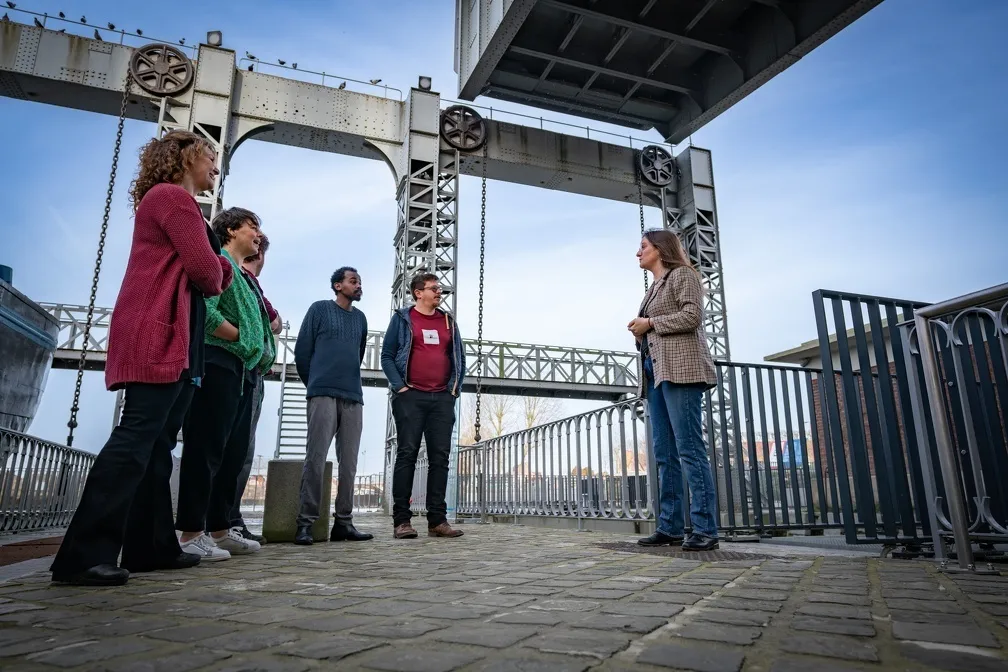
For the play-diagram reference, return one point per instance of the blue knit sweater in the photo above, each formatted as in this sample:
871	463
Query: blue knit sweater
330	349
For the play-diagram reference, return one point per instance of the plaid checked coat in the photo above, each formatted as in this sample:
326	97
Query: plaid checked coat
676	341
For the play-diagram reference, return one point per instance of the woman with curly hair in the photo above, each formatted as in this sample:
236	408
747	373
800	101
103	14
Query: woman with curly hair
155	353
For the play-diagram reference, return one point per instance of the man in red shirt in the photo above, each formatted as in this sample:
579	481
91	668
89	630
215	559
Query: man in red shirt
424	361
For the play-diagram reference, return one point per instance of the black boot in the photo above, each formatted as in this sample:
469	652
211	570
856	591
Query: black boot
304	536
258	538
698	542
99	575
347	532
660	539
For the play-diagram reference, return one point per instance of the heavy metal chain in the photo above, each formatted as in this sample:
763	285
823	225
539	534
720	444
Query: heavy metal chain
479	334
640	202
72	424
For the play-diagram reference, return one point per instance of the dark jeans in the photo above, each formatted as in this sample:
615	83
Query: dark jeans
215	440
431	416
235	515
127	497
676	415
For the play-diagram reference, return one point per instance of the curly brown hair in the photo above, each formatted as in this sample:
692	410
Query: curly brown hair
165	160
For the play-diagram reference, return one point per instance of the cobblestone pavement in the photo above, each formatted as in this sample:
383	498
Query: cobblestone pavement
505	597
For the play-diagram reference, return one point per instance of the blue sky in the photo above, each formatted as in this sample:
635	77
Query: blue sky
875	164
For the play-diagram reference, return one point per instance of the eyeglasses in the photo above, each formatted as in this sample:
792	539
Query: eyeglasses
435	289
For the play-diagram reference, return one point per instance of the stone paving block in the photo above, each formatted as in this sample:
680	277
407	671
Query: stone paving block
806	664
529	618
14	607
840	598
385	608
556	604
331	647
757	594
329	603
530	589
251	640
615	623
670	598
496	600
121	626
944	634
194	632
683	586
825	587
835	626
988	599
995	609
264	665
38	642
457	611
494	636
717	632
831	647
177	661
92	652
266	616
693	658
656	609
437	597
835	611
954	661
745	605
14	635
928	586
597	594
933	606
579	643
403	628
329	622
935	619
36	616
418	660
537	664
927	595
732	617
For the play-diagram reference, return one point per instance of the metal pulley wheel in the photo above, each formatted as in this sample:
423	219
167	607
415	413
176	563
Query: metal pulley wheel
463	128
161	69
656	166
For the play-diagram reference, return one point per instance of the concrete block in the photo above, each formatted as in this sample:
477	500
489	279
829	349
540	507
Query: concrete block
283	486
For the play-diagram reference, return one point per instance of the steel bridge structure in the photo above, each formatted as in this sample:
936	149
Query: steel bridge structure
580	56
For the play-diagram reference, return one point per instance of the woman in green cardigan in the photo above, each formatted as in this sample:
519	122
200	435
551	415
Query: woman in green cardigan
216	433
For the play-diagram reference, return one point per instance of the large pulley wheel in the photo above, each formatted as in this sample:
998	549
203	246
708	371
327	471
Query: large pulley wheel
656	166
161	69
463	128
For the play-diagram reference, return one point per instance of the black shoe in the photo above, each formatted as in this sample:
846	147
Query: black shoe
660	539
258	538
697	542
341	532
99	575
304	536
181	561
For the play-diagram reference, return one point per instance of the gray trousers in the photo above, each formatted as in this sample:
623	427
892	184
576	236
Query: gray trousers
235	515
328	418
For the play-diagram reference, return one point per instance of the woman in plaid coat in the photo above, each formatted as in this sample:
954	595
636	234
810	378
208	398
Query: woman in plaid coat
677	370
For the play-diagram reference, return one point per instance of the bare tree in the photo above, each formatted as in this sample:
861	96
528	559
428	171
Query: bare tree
540	410
497	417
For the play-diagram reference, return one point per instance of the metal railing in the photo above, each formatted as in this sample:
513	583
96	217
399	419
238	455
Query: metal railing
40	482
960	413
368	492
507	367
418	498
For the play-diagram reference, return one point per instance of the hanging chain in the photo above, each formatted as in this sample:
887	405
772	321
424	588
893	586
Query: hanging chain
479	334
640	202
72	424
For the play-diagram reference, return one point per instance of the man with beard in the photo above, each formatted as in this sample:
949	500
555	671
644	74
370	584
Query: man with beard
328	356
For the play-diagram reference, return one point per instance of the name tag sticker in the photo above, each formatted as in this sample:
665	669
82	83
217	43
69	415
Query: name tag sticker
430	337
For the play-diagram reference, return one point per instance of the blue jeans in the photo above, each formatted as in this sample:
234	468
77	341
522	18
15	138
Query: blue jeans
676	413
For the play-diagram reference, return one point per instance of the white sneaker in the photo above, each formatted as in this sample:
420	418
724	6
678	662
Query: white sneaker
236	544
205	547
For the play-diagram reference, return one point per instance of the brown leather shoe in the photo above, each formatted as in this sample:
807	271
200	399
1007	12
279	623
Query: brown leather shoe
404	531
444	530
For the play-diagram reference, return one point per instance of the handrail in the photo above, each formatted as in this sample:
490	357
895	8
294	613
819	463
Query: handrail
385	87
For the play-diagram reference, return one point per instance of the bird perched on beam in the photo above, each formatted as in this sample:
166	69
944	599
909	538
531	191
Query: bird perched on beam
97	35
342	86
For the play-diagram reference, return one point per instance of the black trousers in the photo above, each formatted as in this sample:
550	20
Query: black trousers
215	441
126	502
431	416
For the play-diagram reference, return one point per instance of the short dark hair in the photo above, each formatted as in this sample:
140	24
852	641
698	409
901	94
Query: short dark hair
231	220
339	275
418	282
263	246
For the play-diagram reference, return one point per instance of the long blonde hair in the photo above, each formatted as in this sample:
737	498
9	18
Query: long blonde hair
165	160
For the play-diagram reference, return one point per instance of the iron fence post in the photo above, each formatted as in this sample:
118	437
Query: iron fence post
943	439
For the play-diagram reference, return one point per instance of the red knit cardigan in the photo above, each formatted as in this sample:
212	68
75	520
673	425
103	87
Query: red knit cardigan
149	334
